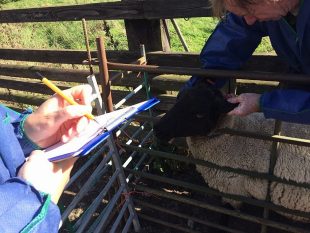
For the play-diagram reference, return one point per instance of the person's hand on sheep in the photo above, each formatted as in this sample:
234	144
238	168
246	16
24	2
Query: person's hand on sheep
248	103
57	120
48	177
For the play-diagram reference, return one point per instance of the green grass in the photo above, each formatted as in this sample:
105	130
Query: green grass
69	35
197	30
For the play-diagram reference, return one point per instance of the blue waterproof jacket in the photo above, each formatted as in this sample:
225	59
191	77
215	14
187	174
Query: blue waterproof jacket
233	42
22	207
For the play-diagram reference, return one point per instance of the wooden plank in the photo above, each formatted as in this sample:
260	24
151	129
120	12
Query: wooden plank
213	73
150	9
168	9
33	99
168	82
65	75
268	63
56	74
21	98
32	86
173	59
64	56
150	33
162	82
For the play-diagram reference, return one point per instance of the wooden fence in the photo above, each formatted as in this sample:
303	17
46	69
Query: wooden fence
143	20
144	25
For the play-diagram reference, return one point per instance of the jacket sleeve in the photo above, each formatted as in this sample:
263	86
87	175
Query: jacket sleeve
24	209
289	105
17	120
26	143
229	46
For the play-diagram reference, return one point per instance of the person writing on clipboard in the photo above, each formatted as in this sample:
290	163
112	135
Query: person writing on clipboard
30	185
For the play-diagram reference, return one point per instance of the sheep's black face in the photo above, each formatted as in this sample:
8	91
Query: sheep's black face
195	113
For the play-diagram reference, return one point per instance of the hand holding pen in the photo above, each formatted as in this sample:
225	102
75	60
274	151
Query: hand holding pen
63	95
59	120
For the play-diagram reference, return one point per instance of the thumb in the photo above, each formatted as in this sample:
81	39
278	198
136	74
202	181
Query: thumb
233	100
233	112
36	155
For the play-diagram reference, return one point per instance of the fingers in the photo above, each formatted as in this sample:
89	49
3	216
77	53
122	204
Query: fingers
82	94
67	164
37	170
71	112
238	111
74	111
57	120
74	128
248	103
231	98
46	176
234	99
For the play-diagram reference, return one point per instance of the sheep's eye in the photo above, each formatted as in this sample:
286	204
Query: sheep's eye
200	115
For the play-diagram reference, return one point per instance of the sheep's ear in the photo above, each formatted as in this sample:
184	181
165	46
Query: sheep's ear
227	106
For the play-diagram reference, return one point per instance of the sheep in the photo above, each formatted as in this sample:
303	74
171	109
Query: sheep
201	110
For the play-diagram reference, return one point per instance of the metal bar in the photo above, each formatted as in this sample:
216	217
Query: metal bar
143	157
272	163
222	210
91	159
86	187
122	180
119	217
124	126
104	75
82	223
145	76
87	46
133	92
128	223
166	224
146	80
108	209
211	73
194	219
136	133
130	157
118	75
212	165
273	138
208	190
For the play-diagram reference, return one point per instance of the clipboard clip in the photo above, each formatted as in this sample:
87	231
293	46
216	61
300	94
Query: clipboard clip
102	130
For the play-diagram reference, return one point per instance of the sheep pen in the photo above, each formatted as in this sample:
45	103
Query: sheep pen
204	107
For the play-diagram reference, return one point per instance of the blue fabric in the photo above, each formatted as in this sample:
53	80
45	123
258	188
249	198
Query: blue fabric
233	42
20	203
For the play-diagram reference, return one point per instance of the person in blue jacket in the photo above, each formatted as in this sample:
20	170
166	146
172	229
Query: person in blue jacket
30	185
287	23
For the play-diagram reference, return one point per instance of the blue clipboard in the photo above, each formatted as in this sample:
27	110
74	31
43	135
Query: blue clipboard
58	151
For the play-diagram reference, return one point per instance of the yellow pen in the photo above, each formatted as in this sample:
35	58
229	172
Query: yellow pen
63	95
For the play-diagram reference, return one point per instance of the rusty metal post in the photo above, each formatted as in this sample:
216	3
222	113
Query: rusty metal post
87	46
104	75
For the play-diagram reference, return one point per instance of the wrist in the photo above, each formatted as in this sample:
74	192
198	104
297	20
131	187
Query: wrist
27	129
